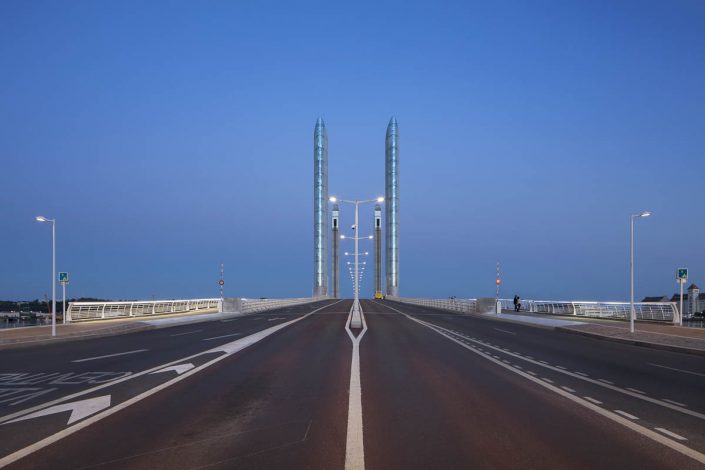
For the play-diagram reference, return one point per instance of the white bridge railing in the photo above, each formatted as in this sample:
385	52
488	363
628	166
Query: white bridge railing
653	311
79	311
82	311
452	305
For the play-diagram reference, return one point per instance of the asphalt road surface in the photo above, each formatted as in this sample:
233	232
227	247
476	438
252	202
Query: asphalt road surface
279	390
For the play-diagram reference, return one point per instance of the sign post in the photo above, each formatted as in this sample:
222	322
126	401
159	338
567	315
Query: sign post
63	279
682	278
498	281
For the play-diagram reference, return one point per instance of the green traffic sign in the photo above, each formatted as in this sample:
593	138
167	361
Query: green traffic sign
64	277
682	274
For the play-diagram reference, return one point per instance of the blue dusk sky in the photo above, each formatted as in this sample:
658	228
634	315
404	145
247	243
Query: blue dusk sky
168	137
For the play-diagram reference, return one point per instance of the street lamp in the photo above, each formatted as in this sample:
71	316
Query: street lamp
40	218
357	238
631	266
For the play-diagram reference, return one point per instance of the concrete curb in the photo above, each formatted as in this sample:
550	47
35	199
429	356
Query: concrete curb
633	342
13	343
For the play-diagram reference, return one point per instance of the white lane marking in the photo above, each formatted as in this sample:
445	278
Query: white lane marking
79	409
110	355
672	434
678	447
354	443
276	318
506	331
674	402
679	370
518	366
224	336
543	362
636	390
532	373
187	333
229	320
179	369
606	381
228	349
547	380
581	373
626	415
562	368
567	389
597	402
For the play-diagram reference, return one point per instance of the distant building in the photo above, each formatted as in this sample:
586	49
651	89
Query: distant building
693	300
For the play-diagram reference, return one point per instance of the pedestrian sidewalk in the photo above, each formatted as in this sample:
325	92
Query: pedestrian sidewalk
33	335
653	335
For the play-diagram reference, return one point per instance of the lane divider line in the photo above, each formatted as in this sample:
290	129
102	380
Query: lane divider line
187	333
655	436
110	355
354	444
224	336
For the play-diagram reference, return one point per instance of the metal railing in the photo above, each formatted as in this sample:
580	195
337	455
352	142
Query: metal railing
652	311
80	311
261	305
451	305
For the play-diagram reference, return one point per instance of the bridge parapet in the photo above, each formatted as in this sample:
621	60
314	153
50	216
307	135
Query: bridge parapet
84	311
452	305
649	311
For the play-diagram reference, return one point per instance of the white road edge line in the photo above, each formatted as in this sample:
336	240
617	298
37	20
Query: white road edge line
592	400
110	355
229	349
677	446
678	370
674	402
354	443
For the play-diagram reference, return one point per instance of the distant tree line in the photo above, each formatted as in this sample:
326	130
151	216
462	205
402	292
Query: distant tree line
38	305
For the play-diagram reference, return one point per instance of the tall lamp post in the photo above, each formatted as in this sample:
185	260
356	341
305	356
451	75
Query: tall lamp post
631	266
53	271
357	238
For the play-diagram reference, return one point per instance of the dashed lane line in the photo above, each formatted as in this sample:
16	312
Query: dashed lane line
592	400
674	402
678	370
110	355
636	390
671	434
224	336
506	331
567	389
626	415
187	333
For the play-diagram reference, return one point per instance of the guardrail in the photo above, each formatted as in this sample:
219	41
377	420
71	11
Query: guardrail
652	311
83	311
452	305
261	305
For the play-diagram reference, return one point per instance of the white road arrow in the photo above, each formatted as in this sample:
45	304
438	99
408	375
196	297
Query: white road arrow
179	369
79	409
